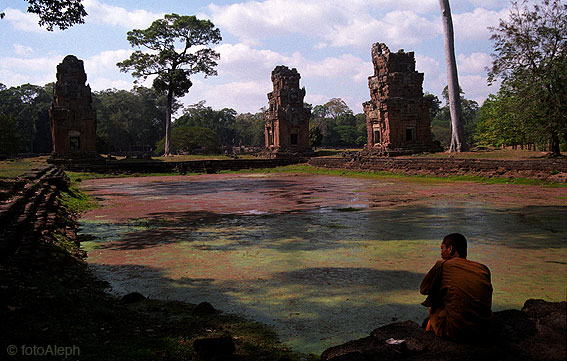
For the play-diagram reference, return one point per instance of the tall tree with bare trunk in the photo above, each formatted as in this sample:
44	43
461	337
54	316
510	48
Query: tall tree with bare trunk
458	143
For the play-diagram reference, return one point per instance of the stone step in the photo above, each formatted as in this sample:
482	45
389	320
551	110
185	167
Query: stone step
47	208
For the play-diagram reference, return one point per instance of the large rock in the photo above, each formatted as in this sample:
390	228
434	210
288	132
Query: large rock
538	332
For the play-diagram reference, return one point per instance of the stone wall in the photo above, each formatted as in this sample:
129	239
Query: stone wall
29	206
545	169
196	166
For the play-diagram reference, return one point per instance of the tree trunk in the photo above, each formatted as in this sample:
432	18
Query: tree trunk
168	122
458	143
555	147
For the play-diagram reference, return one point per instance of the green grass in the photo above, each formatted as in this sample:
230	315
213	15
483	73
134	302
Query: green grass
308	169
487	153
13	168
76	201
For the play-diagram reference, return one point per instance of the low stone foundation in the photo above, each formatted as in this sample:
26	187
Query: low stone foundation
196	166
554	170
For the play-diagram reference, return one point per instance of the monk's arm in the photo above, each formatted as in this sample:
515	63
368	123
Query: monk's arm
431	279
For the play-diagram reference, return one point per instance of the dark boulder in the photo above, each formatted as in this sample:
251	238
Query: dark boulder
535	333
204	308
132	297
214	349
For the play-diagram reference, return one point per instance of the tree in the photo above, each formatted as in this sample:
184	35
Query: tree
221	122
315	136
337	124
60	13
249	129
458	143
27	105
530	57
129	120
8	135
172	68
188	139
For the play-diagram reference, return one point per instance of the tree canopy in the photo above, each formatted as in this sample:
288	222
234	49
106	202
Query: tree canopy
530	57
172	68
333	124
129	121
60	13
25	110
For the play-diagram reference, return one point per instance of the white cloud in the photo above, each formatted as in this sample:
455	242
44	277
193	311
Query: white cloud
114	15
345	66
22	50
358	23
241	61
103	83
475	25
106	61
475	87
23	21
253	21
490	4
427	65
16	71
244	96
474	63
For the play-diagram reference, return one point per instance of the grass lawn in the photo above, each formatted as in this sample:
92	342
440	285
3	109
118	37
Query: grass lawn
11	168
487	153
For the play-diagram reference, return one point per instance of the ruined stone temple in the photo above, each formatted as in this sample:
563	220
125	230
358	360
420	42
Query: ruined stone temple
286	120
72	116
397	115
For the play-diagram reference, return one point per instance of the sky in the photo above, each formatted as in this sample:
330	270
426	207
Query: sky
327	41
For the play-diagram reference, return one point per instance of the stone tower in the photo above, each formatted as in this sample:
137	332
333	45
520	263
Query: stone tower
286	120
72	116
397	115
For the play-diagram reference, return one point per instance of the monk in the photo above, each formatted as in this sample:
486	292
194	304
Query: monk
459	293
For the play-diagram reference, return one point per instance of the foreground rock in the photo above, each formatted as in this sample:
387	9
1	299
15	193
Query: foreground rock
537	332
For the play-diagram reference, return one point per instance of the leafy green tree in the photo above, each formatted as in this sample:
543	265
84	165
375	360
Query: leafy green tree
530	57
435	104
60	13
338	126
187	139
28	106
8	135
500	124
129	120
172	68
249	129
315	136
221	122
441	127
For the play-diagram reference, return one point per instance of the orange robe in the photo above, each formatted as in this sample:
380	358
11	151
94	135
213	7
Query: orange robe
460	297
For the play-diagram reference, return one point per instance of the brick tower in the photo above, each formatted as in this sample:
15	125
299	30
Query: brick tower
286	120
72	116
397	115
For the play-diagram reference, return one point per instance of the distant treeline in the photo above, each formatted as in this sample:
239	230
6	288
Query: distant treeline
133	121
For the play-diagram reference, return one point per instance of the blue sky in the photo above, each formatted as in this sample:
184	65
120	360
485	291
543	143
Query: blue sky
328	41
